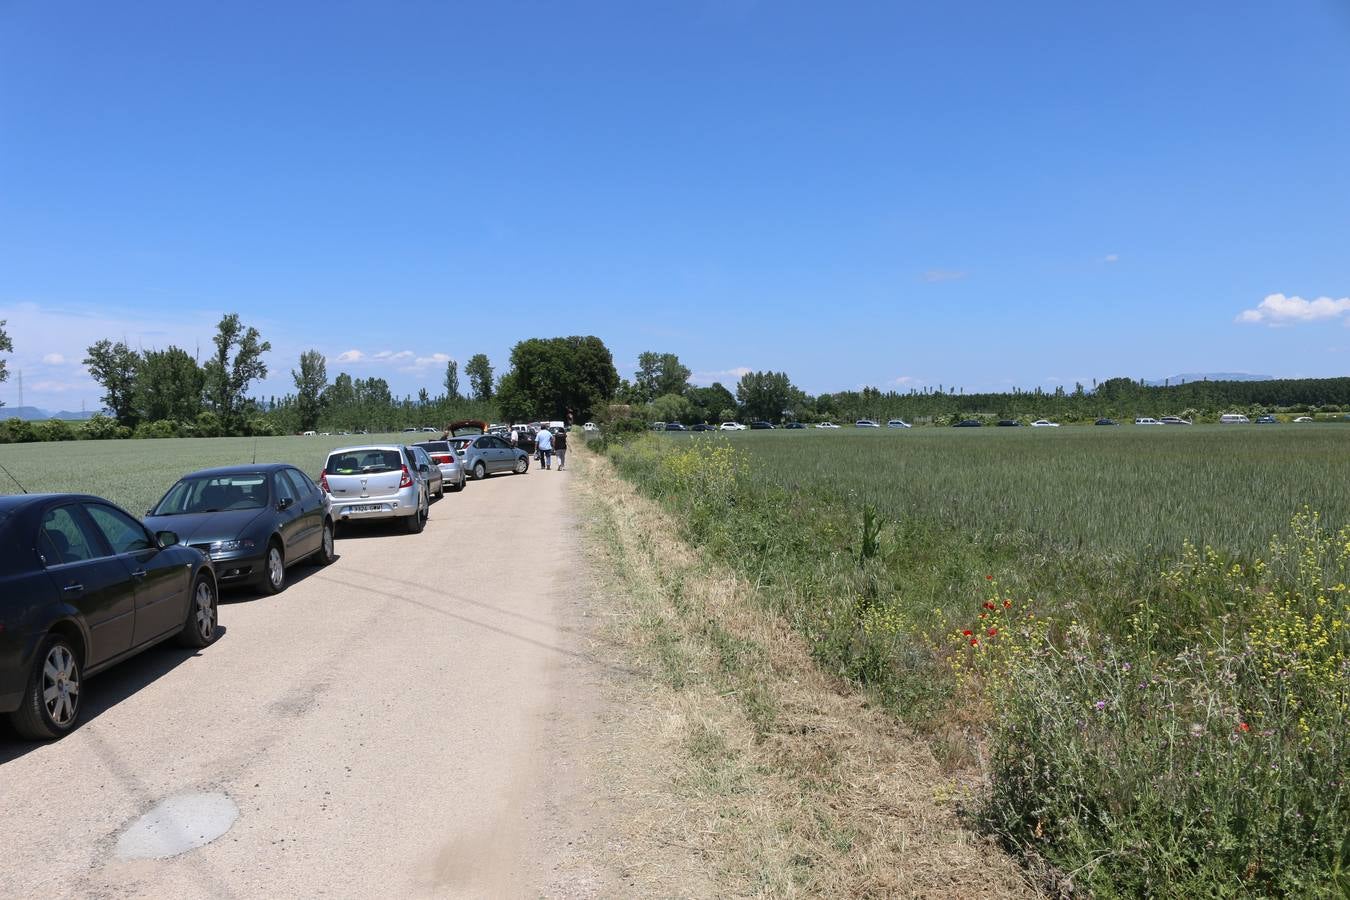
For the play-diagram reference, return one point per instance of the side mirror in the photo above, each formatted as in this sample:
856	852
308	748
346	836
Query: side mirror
285	504
423	468
165	539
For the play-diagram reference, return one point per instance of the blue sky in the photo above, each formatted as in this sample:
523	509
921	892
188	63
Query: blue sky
893	193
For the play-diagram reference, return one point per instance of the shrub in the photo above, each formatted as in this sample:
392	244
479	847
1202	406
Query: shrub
102	428
54	430
17	431
162	428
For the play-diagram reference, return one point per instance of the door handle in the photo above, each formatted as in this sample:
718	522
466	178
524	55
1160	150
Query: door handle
73	588
140	573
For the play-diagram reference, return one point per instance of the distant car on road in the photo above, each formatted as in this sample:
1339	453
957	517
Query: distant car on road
590	426
1145	420
897	423
377	482
675	426
1267	420
1304	419
968	423
827	425
1044	423
792	426
702	426
1009	423
865	423
254	522
1174	420
1234	419
761	426
1105	421
83	585
732	426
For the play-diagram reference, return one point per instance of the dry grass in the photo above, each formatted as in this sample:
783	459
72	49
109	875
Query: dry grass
744	770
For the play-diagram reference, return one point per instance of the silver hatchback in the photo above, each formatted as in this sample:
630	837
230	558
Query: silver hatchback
485	454
446	459
377	482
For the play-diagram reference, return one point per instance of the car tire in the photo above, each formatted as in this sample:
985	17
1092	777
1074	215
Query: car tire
327	552
274	569
479	471
417	521
203	615
522	465
39	719
458	485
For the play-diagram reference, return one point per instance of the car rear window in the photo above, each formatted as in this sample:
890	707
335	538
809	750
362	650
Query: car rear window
434	446
363	462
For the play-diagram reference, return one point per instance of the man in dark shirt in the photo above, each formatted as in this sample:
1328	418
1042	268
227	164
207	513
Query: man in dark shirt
560	447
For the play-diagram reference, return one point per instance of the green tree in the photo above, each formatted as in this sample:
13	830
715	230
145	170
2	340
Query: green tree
310	383
550	376
479	371
169	386
340	395
452	380
659	374
115	367
6	346
671	408
709	402
237	363
764	395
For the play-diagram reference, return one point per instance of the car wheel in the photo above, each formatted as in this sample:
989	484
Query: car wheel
326	552
458	485
274	569
479	471
417	521
51	702
522	465
202	616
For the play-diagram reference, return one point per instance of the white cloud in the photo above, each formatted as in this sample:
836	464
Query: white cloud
350	356
1111	258
933	276
726	375
1277	309
908	381
54	359
436	358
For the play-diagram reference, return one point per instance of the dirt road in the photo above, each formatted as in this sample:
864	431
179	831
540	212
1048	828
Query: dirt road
402	723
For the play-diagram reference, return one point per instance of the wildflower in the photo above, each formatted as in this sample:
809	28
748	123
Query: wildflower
1100	705
989	578
966	632
1126	667
1243	727
1007	604
974	642
992	632
988	604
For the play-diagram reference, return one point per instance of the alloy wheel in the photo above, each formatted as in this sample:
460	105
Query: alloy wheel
276	571
206	610
61	685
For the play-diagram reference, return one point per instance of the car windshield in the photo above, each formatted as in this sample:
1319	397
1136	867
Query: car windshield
363	462
214	493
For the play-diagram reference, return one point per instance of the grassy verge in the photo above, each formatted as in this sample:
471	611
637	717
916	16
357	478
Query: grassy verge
785	782
1150	723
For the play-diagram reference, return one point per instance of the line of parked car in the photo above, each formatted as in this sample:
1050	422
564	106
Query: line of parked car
84	584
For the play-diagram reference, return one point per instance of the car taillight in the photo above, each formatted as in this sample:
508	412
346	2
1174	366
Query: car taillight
443	459
323	483
406	481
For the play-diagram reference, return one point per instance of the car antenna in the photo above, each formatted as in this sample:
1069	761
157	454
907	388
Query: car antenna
12	478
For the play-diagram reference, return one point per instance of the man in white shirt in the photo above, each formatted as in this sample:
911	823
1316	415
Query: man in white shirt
545	440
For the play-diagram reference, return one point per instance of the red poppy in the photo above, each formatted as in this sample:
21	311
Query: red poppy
1007	604
988	604
974	642
966	632
993	631
989	578
1244	727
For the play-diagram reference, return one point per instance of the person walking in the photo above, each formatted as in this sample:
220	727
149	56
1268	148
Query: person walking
545	444
560	447
515	436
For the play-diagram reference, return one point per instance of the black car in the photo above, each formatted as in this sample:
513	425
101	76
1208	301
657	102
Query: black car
253	521
794	425
968	423
760	426
1009	423
675	426
1267	420
702	427
1106	422
83	585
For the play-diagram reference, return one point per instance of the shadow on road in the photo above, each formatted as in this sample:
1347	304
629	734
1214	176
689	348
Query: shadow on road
107	689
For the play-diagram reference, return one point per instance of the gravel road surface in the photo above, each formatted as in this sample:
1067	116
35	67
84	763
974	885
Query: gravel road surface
398	724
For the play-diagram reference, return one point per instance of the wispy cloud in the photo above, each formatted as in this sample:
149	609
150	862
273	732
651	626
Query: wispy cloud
54	359
1111	258
934	276
1277	310
908	381
726	375
350	356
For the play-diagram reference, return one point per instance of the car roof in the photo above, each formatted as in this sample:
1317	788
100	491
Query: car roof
234	470
10	503
365	447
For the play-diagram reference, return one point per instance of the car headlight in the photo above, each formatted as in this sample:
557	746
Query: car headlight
230	546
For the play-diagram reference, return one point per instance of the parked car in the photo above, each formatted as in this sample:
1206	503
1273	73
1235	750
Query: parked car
897	423
254	522
794	425
658	426
1044	423
488	454
827	425
761	426
590	426
1174	420
429	429
702	427
1267	420
432	471
1304	419
675	426
1105	421
377	482
443	456
865	423
83	585
968	423
1146	421
1009	423
1234	419
732	426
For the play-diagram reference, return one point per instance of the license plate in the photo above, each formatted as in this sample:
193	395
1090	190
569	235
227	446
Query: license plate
366	507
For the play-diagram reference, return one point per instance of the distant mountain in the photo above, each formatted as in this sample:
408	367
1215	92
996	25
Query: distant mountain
33	413
1209	376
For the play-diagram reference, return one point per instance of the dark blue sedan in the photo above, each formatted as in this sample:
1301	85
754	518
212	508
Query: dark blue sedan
83	585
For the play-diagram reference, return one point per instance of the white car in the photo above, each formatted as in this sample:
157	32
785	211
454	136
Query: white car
865	423
589	426
1044	423
827	425
1303	419
732	426
1147	421
897	423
